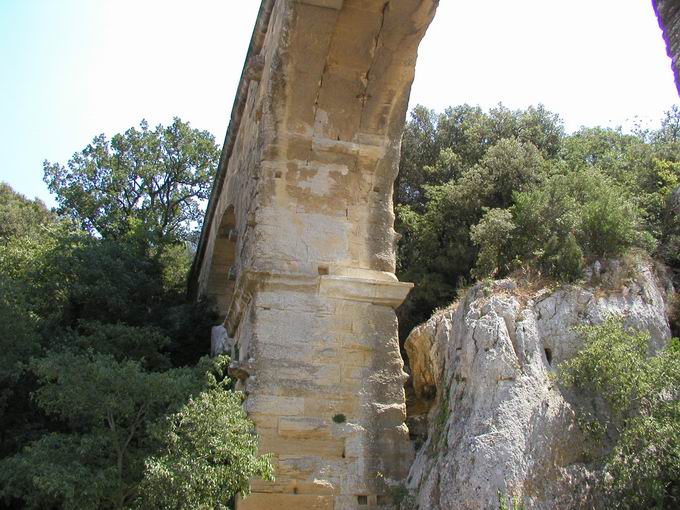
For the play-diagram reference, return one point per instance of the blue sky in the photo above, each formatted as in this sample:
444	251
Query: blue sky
75	68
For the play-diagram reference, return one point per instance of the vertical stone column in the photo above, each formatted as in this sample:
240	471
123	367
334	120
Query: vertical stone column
325	390
310	179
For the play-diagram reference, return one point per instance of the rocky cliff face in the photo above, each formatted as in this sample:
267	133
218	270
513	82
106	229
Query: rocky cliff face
493	420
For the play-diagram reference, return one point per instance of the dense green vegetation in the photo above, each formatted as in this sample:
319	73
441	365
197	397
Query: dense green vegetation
106	401
483	194
105	398
488	194
641	413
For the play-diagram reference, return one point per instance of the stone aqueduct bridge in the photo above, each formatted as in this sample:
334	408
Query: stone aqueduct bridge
298	246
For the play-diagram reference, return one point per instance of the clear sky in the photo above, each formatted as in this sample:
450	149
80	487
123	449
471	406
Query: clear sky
72	69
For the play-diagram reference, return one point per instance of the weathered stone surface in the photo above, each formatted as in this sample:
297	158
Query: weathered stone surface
499	422
675	201
220	341
298	245
668	14
258	501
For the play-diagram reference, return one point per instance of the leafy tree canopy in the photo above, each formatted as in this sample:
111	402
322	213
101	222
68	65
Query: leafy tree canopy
101	376
482	194
148	182
18	215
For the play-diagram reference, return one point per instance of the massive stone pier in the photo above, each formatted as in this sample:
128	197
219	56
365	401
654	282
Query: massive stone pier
298	246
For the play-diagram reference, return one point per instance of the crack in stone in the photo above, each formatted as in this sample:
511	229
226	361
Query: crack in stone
315	106
364	96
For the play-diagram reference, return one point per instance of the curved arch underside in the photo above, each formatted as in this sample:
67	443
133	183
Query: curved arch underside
221	278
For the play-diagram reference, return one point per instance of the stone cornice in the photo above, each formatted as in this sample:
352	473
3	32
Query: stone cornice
376	288
377	292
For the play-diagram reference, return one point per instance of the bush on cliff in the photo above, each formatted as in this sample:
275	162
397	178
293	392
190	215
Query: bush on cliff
642	470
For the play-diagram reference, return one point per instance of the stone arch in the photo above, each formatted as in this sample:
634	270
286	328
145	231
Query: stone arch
222	274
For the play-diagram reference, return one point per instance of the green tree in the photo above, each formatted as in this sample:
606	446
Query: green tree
454	166
144	182
578	216
436	251
19	215
100	347
642	470
209	455
493	234
113	410
594	194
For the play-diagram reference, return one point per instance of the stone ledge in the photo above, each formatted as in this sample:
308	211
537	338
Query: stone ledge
365	285
377	292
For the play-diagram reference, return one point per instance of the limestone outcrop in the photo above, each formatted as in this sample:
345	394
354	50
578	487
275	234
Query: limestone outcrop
497	423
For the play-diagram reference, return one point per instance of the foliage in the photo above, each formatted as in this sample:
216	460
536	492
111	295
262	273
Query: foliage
473	162
114	409
485	193
641	394
505	501
100	348
580	215
19	215
107	406
19	340
209	455
144	183
492	234
402	497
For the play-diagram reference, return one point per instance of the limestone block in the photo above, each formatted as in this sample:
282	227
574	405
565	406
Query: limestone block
315	487
330	406
275	405
264	501
317	448
281	484
350	372
303	427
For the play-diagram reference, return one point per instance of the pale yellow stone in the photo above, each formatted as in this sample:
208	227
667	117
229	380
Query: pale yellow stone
298	245
266	501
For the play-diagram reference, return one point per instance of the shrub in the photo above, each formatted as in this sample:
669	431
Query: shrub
576	217
210	455
563	258
641	394
493	235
